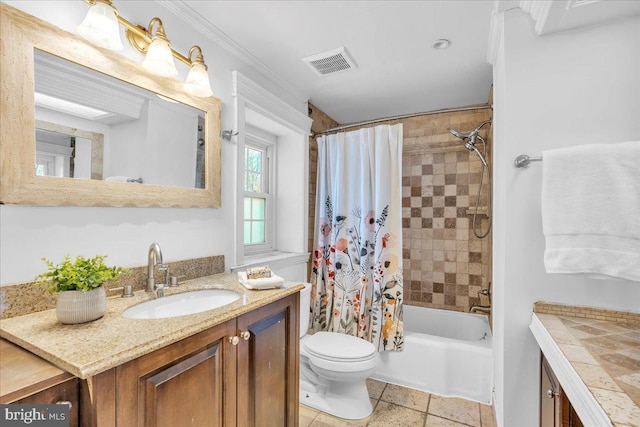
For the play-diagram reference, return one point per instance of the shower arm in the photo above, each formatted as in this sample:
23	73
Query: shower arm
486	122
474	133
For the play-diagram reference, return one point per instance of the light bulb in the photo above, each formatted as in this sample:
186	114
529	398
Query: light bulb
100	27
159	59
197	82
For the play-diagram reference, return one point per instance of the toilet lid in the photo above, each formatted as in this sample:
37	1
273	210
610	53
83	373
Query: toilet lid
335	346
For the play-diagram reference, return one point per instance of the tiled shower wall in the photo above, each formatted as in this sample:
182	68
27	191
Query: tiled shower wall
445	265
320	122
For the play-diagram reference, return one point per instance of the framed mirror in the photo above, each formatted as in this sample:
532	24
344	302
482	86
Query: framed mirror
84	126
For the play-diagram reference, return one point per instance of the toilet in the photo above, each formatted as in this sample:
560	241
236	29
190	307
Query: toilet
334	368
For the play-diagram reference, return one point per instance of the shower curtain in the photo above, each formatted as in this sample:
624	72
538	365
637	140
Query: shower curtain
357	259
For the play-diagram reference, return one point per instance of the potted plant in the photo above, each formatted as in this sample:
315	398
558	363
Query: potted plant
78	282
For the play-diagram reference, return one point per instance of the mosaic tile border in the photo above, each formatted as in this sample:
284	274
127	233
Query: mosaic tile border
626	317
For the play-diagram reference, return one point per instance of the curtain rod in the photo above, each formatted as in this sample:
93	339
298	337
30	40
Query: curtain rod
404	116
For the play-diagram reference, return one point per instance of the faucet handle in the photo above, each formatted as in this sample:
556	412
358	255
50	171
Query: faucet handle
174	280
165	268
127	290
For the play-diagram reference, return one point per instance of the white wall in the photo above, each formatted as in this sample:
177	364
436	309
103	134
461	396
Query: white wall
563	89
127	146
292	198
171	150
82	159
28	233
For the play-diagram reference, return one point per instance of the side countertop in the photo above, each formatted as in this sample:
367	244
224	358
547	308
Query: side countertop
90	348
24	374
596	360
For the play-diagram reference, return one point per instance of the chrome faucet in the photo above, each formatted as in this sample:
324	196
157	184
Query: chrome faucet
482	308
155	258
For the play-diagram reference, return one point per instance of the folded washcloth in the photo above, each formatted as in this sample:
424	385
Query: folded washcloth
119	178
263	283
591	210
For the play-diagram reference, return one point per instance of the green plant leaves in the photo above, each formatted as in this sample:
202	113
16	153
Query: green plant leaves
78	274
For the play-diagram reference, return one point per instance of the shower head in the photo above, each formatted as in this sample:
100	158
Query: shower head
469	139
460	135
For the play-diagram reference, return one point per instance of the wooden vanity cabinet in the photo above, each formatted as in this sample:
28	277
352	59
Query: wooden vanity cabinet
268	365
555	408
28	379
243	372
65	393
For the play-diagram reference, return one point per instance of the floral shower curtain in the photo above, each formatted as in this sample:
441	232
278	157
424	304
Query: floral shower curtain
357	260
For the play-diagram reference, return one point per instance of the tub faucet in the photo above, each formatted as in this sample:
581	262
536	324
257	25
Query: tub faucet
483	308
155	258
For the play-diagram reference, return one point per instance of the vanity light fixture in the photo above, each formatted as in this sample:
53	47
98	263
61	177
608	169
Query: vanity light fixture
198	79
159	59
98	28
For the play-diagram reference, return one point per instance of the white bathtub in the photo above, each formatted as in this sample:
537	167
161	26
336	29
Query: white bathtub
445	352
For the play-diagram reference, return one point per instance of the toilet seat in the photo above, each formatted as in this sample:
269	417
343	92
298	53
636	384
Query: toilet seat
339	347
339	352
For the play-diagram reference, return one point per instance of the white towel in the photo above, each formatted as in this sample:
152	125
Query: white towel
591	210
263	283
117	178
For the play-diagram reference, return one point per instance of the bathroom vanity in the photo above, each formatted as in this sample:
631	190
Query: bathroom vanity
589	365
233	365
28	379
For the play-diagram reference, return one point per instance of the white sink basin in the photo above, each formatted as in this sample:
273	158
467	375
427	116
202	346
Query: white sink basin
182	304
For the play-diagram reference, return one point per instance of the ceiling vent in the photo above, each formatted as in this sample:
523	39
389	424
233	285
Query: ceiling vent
331	62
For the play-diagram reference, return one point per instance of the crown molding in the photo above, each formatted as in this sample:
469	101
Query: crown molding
562	15
495	34
539	11
69	81
269	104
205	27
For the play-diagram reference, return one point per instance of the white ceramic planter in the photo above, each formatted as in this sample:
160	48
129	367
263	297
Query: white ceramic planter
80	307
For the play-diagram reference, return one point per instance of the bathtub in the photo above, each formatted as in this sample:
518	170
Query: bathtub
447	353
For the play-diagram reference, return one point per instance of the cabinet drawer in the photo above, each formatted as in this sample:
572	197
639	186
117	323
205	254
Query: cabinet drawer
63	392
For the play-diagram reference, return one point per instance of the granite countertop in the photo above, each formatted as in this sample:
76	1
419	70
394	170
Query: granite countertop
599	360
90	348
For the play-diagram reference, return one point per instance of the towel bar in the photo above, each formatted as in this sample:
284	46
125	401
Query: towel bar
523	161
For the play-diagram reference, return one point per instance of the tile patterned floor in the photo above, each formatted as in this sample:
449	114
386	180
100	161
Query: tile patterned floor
403	407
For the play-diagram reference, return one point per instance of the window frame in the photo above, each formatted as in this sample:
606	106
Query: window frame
269	148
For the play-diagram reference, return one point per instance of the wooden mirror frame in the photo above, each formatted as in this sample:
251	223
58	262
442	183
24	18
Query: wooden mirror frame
20	34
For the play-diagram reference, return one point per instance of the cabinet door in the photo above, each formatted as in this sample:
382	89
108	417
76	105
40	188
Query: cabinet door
268	365
569	416
549	396
555	407
189	383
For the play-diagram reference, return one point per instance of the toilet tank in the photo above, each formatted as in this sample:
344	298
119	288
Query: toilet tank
305	307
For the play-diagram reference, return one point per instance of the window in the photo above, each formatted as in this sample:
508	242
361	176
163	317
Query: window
280	133
258	209
45	165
